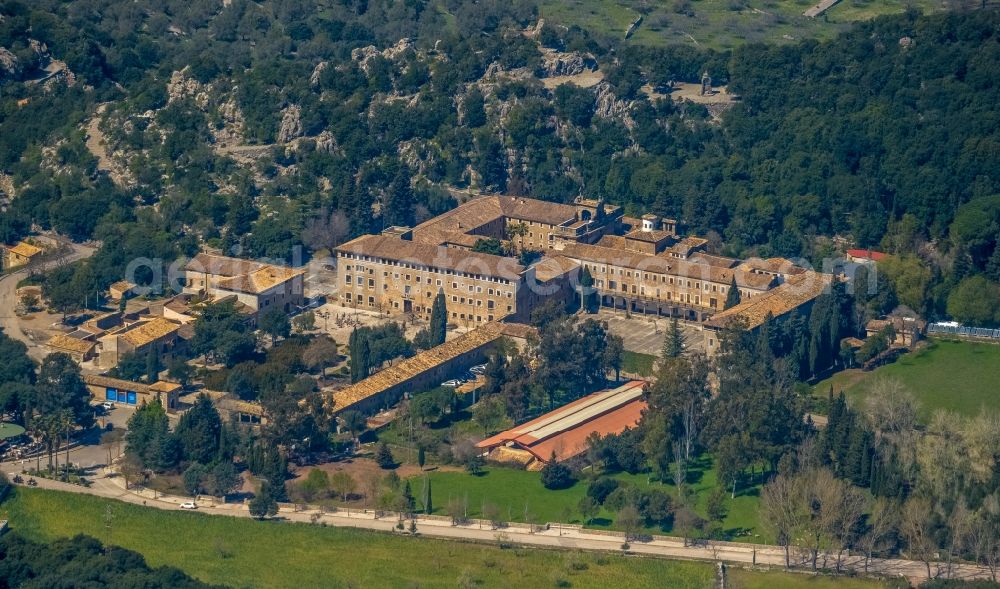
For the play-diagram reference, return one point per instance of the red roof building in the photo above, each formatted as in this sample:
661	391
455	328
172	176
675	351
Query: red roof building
862	256
565	430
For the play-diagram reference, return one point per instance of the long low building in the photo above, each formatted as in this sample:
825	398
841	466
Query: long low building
126	392
564	432
798	293
425	370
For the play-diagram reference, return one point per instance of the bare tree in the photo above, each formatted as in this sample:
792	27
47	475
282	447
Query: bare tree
917	528
891	411
326	230
984	535
883	518
779	513
628	520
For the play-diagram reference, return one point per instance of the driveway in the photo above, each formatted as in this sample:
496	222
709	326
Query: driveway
13	326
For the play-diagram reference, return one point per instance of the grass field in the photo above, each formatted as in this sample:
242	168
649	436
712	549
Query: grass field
959	376
243	553
720	24
638	363
743	579
512	490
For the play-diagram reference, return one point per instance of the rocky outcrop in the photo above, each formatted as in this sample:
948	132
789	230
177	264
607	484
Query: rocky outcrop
291	124
317	72
180	86
363	55
610	106
326	142
555	63
10	67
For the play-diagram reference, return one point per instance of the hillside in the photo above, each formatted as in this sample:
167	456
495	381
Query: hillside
156	127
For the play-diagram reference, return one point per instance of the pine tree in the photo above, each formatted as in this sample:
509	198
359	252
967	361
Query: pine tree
384	458
399	206
439	320
673	342
733	296
411	502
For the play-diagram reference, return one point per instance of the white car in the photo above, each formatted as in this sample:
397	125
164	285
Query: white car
188	505
108	405
451	383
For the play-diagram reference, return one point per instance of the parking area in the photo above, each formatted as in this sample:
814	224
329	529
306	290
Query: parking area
645	334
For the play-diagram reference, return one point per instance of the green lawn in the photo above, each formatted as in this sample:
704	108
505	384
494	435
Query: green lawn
638	363
743	579
245	553
959	376
511	490
719	24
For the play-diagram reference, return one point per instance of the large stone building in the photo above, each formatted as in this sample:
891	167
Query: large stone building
642	265
258	286
389	274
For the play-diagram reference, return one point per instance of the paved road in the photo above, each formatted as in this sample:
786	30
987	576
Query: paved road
555	536
9	320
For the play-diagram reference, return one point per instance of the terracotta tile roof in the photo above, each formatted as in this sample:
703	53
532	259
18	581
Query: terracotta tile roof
149	331
403	371
100	380
551	267
23	248
655	236
221	265
711	260
67	343
665	265
773	265
260	280
795	292
612	241
162	386
122	285
241	275
480	211
433	256
565	430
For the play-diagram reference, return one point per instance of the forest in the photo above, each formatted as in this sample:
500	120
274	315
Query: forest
368	114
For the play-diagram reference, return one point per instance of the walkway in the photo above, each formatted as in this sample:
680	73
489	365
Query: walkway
553	535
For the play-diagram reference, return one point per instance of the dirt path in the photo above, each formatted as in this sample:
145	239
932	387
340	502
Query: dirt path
552	535
95	141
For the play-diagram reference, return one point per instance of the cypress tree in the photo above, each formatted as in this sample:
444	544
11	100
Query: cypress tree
428	506
588	296
360	355
733	296
153	365
439	320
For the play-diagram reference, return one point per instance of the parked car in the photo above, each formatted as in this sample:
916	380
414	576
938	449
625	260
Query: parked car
107	405
188	505
480	369
451	383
